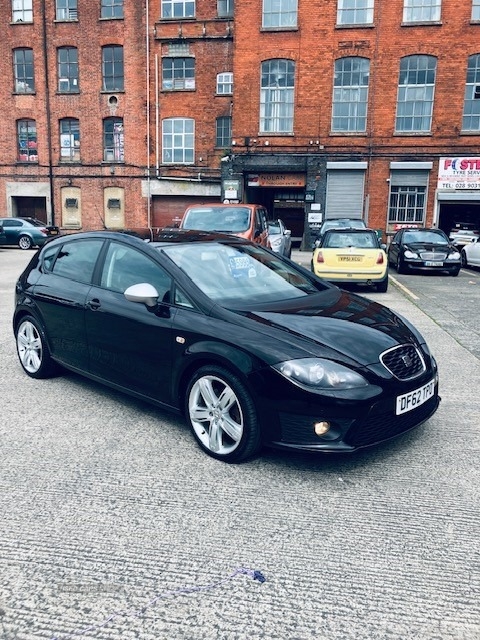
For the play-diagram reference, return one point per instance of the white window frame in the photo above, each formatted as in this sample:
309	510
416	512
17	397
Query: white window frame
67	70
350	94
471	103
415	99
407	204
178	141
279	14
111	9
225	83
69	129
355	11
22	10
422	10
176	9
277	96
475	9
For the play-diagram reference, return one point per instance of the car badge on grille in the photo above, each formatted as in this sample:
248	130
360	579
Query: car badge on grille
407	361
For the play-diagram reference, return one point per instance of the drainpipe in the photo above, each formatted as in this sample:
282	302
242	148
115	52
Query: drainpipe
47	109
147	88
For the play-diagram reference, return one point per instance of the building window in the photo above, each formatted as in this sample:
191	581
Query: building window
67	10
279	13
422	10
415	94
27	141
22	11
178	9
178	136
113	140
350	94
276	96
69	140
112	68
407	204
475	9
355	12
225	83
178	74
112	9
223	136
67	60
225	8
23	71
471	105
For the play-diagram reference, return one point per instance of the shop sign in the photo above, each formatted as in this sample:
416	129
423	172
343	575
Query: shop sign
459	173
231	189
276	180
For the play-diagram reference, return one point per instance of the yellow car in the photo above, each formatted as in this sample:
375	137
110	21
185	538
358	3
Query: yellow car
351	255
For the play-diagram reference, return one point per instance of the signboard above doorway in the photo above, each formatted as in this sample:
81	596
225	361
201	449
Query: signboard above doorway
276	180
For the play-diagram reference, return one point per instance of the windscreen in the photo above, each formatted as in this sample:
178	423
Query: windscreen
239	276
224	219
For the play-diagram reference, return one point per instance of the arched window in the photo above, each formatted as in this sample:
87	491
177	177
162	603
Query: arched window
27	141
69	140
276	96
350	94
416	86
113	140
471	105
67	63
178	141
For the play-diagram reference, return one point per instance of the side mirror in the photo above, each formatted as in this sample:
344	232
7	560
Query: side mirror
288	232
383	246
143	293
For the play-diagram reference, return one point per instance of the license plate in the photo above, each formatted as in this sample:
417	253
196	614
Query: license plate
434	264
350	258
414	399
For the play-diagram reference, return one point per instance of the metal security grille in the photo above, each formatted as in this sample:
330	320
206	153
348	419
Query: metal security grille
345	194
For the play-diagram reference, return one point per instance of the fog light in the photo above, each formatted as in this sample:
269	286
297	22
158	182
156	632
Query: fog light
321	428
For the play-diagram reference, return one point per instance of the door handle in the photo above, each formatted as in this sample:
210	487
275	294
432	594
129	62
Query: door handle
94	304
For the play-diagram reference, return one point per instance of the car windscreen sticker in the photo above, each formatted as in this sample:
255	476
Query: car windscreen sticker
242	267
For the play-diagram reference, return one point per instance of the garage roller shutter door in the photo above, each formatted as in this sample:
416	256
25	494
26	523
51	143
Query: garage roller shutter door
344	194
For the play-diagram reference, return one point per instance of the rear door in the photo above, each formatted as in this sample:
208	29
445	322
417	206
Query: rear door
60	295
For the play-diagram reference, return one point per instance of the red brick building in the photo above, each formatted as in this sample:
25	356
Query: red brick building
119	113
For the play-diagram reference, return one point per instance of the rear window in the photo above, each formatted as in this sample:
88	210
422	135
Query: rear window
339	240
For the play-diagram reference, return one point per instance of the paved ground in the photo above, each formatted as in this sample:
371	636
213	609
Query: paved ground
115	525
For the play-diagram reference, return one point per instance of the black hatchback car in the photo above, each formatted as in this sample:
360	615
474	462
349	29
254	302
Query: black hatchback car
251	348
424	250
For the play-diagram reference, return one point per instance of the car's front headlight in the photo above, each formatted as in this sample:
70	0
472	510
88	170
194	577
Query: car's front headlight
454	256
318	374
410	254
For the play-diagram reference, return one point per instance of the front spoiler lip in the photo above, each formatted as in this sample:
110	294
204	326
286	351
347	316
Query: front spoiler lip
340	447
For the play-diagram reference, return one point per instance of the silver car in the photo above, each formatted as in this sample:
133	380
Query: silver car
280	238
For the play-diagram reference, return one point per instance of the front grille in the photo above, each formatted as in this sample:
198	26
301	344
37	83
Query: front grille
376	428
404	362
434	256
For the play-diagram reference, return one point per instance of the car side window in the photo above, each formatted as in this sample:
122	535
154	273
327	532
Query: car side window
76	260
125	266
12	223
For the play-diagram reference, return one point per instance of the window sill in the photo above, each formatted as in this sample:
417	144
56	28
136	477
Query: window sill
66	21
178	90
425	23
68	93
413	134
24	93
21	22
465	132
363	25
357	134
112	18
282	29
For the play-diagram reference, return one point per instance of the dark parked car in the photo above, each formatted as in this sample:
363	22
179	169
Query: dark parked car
26	232
252	348
425	250
338	223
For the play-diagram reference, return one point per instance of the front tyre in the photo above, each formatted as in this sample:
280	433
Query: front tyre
464	259
25	242
32	349
222	415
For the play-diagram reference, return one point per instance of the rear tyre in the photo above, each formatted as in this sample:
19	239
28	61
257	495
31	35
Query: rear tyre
222	415
383	285
24	242
32	349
